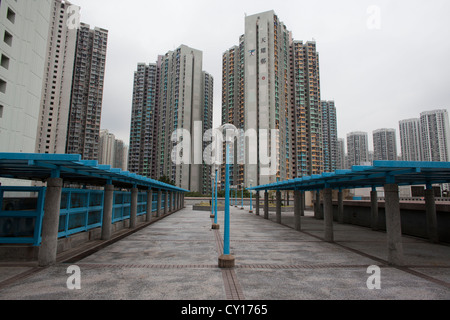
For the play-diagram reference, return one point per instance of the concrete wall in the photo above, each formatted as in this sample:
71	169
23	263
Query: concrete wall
412	217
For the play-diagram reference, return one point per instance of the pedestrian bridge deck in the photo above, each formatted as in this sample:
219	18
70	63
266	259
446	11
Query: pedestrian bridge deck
176	259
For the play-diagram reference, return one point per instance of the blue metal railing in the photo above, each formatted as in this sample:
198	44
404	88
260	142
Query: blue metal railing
21	221
121	205
80	210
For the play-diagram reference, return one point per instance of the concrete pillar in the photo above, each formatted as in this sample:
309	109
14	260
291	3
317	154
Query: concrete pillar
374	209
108	198
50	223
317	206
266	205
393	224
166	202
257	203
298	208
328	214
133	207
278	206
340	207
302	213
149	205
159	203
430	208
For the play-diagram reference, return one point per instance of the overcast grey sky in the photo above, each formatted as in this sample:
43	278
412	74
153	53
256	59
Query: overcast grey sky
377	76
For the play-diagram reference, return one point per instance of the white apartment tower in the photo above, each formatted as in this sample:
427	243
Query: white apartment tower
357	149
410	140
435	135
384	144
24	31
57	85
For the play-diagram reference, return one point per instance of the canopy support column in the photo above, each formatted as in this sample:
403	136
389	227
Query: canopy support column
393	224
328	214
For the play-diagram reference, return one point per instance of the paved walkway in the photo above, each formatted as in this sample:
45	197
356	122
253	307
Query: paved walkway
176	259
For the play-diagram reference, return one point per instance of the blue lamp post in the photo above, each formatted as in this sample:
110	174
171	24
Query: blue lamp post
215	225
242	197
251	200
215	199
226	260
212	198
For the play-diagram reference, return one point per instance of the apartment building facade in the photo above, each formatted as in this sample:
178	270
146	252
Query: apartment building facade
172	94
271	82
435	135
330	136
24	30
410	140
87	92
357	149
385	144
57	84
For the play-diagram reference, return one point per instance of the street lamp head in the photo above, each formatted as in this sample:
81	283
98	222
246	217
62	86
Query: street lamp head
229	131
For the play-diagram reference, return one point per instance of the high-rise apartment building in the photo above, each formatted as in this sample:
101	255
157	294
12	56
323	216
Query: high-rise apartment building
172	94
57	84
106	147
410	140
357	149
341	162
329	133
271	82
435	135
24	31
112	151
87	92
24	36
384	144
142	158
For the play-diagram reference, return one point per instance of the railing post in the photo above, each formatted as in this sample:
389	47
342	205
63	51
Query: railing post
166	202
149	204
133	207
159	203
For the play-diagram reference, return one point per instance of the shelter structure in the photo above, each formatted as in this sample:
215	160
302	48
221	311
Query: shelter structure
387	174
102	199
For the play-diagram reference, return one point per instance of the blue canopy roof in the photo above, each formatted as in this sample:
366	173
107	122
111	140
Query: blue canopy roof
379	174
70	167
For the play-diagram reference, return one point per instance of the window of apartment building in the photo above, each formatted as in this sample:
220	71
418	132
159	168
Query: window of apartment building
11	15
1	111
8	38
2	86
5	62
